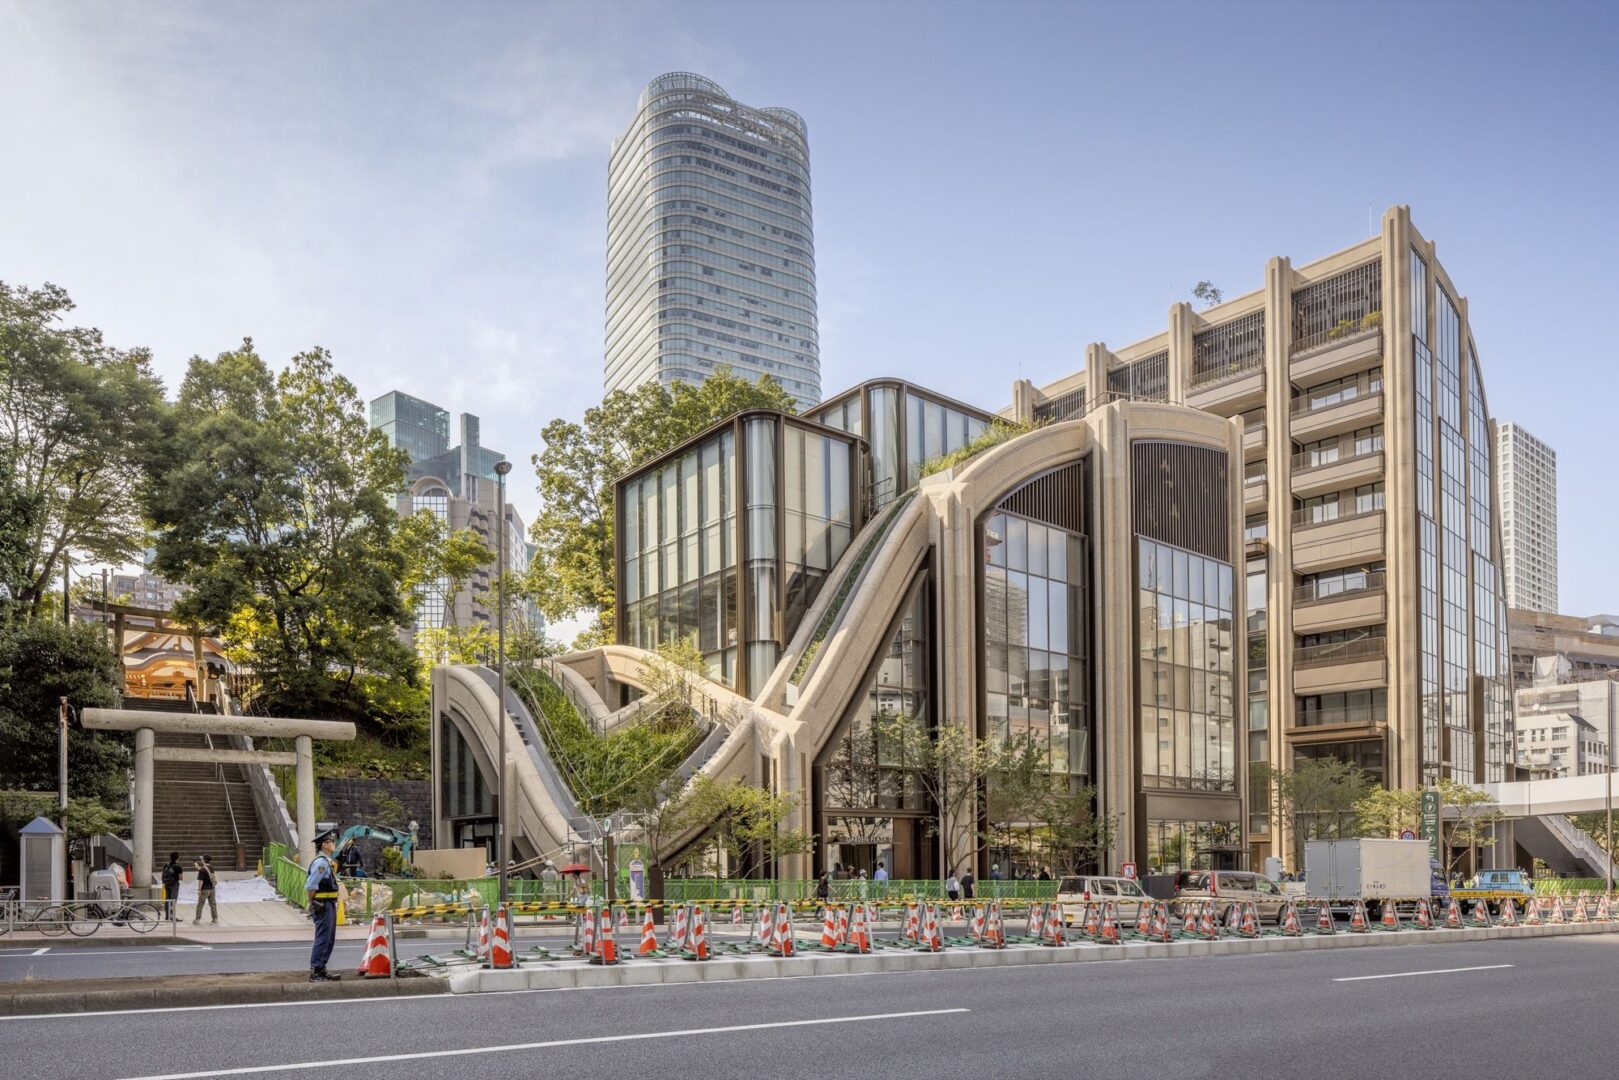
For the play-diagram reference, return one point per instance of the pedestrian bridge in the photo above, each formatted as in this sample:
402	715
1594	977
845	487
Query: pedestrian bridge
1540	809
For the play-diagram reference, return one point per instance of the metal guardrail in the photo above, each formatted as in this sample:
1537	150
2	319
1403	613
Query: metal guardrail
1373	581
1339	652
1313	515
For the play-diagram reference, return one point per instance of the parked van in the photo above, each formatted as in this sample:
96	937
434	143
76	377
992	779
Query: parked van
1228	887
1125	892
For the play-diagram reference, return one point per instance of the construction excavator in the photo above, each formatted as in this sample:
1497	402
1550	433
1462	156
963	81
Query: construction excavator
403	839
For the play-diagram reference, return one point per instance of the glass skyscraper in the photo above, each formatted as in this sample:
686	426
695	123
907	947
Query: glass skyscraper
710	242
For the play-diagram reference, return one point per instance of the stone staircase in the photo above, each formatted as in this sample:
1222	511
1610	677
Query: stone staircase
190	810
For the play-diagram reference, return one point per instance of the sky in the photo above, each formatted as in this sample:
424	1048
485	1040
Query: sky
421	188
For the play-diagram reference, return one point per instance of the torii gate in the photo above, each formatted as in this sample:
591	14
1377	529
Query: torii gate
145	725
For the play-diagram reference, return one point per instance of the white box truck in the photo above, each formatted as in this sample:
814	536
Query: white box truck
1371	869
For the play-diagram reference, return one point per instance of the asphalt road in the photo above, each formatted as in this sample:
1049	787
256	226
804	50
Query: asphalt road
1501	1008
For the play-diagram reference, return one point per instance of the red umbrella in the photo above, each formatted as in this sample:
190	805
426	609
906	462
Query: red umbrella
576	868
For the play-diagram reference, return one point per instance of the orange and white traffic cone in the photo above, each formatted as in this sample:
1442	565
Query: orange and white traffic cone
829	929
762	929
1054	934
1391	916
699	935
1481	914
1357	917
1424	919
1509	912
483	935
378	960
1110	924
994	930
1249	926
1604	909
1207	927
1290	919
843	925
590	924
606	948
1189	920
1581	914
680	931
1453	915
932	939
976	929
1143	920
781	939
649	936
859	932
1324	922
913	924
1532	912
1554	905
1093	921
1037	922
500	949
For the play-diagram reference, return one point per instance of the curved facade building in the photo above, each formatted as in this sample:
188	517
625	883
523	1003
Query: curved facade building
710	242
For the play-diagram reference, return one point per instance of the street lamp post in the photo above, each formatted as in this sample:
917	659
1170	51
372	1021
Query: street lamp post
501	841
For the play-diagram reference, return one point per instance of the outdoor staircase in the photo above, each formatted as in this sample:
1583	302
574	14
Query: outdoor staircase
193	803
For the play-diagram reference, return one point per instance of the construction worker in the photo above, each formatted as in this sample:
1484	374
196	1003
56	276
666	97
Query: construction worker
321	888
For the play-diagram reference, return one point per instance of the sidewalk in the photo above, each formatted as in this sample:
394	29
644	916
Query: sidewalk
251	920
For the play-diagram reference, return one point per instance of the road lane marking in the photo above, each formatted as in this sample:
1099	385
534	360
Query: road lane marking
1408	974
548	1045
41	952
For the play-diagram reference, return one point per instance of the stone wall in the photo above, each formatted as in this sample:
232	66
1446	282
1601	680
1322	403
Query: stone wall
353	802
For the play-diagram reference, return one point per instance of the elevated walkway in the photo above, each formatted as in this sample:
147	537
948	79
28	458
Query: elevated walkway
1540	809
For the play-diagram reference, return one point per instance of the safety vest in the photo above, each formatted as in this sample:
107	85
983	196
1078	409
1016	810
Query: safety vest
326	884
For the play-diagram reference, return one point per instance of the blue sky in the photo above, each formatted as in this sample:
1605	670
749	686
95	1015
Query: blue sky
421	188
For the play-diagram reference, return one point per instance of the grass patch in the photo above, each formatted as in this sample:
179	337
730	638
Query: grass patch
992	436
824	627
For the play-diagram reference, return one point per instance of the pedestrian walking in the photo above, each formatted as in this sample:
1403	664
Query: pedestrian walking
862	885
172	873
321	887
952	886
823	886
205	889
1045	874
967	883
995	872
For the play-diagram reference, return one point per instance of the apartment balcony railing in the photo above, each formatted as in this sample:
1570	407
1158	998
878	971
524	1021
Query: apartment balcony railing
1062	407
1146	379
1340	652
1373	581
1362	388
1339	307
1228	351
1326	515
1328	717
1317	459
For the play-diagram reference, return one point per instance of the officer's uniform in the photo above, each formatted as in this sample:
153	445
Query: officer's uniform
321	888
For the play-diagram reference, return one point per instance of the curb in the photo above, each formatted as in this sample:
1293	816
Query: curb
147	996
574	974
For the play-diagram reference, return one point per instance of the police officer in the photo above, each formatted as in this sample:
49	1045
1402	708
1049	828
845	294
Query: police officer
321	888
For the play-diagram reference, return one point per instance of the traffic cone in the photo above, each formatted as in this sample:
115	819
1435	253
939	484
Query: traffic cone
623	917
736	915
699	935
1604	909
859	932
590	924
976	929
1581	915
680	932
1391	916
500	950
1509	912
1249	927
1189	923
1357	917
1424	919
781	941
1290	919
606	949
1110	924
1207	928
1143	920
913	924
994	932
1453	915
932	940
762	929
1554	904
1533	912
1324	922
483	935
378	959
1037	922
1093	921
1054	935
1481	914
829	929
649	936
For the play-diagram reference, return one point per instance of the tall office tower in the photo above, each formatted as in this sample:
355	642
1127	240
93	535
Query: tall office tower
458	484
1376	620
1528	499
710	242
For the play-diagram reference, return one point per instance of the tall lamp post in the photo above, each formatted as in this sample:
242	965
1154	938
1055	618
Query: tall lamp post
501	842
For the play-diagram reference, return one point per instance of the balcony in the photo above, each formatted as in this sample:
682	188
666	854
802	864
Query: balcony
1350	407
1353	352
1313	476
1315	613
1320	544
1338	324
1228	391
1254	493
1340	666
1253	433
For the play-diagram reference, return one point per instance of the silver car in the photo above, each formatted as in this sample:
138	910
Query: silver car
1074	892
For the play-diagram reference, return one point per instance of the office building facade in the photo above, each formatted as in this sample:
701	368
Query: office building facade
710	242
1528	500
1375	604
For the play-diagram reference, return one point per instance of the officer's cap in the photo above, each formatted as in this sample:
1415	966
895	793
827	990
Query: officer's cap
329	834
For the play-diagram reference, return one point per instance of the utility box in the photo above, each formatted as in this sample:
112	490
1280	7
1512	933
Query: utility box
1368	868
44	862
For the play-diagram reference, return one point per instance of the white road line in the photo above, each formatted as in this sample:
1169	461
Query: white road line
514	1047
137	952
41	952
1408	974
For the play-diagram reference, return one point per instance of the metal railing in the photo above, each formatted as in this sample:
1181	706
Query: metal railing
1312	459
1340	715
1373	581
1319	515
685	890
1228	351
1340	652
1358	390
1063	407
1146	379
1339	307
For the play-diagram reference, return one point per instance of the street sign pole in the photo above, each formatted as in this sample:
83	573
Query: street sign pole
1430	823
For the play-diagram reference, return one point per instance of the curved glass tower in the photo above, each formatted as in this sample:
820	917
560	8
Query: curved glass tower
710	242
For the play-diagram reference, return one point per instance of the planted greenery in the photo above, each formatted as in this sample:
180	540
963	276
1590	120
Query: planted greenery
845	586
992	436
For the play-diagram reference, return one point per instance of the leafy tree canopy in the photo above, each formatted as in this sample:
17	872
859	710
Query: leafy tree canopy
572	569
278	513
40	662
81	423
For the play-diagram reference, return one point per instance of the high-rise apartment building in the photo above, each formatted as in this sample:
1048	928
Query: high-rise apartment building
1528	497
458	484
1376	617
710	242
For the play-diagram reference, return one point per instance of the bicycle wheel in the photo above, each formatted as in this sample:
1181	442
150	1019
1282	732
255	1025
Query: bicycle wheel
50	921
140	918
82	920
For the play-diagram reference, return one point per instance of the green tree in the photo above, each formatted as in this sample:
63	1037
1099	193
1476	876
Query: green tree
1387	813
278	513
747	821
1075	835
1208	292
1317	798
81	423
572	569
438	562
41	662
1470	816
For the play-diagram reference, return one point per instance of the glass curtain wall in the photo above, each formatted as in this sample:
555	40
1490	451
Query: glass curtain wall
904	429
1427	529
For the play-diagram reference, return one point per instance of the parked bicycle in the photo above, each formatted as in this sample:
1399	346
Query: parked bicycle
85	918
45	917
